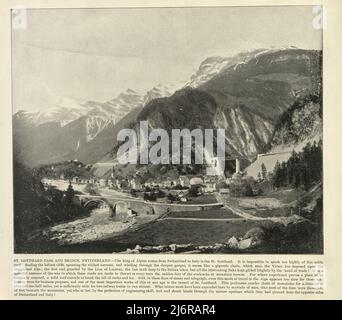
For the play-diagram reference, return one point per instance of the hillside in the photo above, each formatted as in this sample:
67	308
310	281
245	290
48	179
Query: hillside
246	99
268	83
299	125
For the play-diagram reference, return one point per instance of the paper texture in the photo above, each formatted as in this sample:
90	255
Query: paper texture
157	150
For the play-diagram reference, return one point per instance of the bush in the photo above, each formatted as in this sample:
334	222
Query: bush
160	194
91	189
150	196
248	191
221	185
172	198
194	191
134	193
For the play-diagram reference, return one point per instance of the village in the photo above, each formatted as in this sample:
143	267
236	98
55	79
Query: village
137	210
183	188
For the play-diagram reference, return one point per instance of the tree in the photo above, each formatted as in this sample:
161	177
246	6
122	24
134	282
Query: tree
263	171
276	181
171	197
160	194
259	176
301	170
248	191
69	196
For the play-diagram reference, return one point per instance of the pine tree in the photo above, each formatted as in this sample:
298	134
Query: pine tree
248	191
69	195
263	171
301	170
259	176
276	181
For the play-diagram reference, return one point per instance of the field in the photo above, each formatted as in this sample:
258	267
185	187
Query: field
203	199
212	226
276	204
165	232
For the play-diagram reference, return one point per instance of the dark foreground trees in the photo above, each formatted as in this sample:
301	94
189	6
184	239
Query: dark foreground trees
36	208
303	169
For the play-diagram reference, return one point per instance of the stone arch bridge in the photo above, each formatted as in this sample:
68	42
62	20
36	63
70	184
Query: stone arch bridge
139	206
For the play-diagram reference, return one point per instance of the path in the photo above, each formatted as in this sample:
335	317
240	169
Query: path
203	219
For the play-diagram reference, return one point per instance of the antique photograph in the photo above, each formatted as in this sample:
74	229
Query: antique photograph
168	130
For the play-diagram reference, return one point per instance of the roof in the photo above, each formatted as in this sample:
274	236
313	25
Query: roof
196	181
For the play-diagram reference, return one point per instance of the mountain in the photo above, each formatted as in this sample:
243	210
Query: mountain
245	98
70	109
269	82
89	128
245	94
193	108
68	129
207	69
211	66
105	115
65	111
116	108
300	125
159	91
95	149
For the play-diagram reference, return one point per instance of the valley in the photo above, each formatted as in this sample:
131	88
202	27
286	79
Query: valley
74	195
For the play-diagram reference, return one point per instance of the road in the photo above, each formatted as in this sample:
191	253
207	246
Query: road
203	219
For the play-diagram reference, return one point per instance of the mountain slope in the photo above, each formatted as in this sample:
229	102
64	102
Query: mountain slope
299	125
68	129
269	82
244	94
65	111
159	91
246	99
211	66
87	129
104	142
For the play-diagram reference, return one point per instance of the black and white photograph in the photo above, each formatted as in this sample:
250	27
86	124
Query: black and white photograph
171	130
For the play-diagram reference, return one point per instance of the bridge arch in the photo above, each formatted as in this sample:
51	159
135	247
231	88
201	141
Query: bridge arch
94	203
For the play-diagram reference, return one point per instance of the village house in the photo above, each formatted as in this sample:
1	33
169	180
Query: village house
148	184
167	183
209	185
135	184
163	184
184	181
75	179
224	191
117	184
174	183
196	185
103	183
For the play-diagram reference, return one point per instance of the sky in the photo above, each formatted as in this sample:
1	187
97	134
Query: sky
94	54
